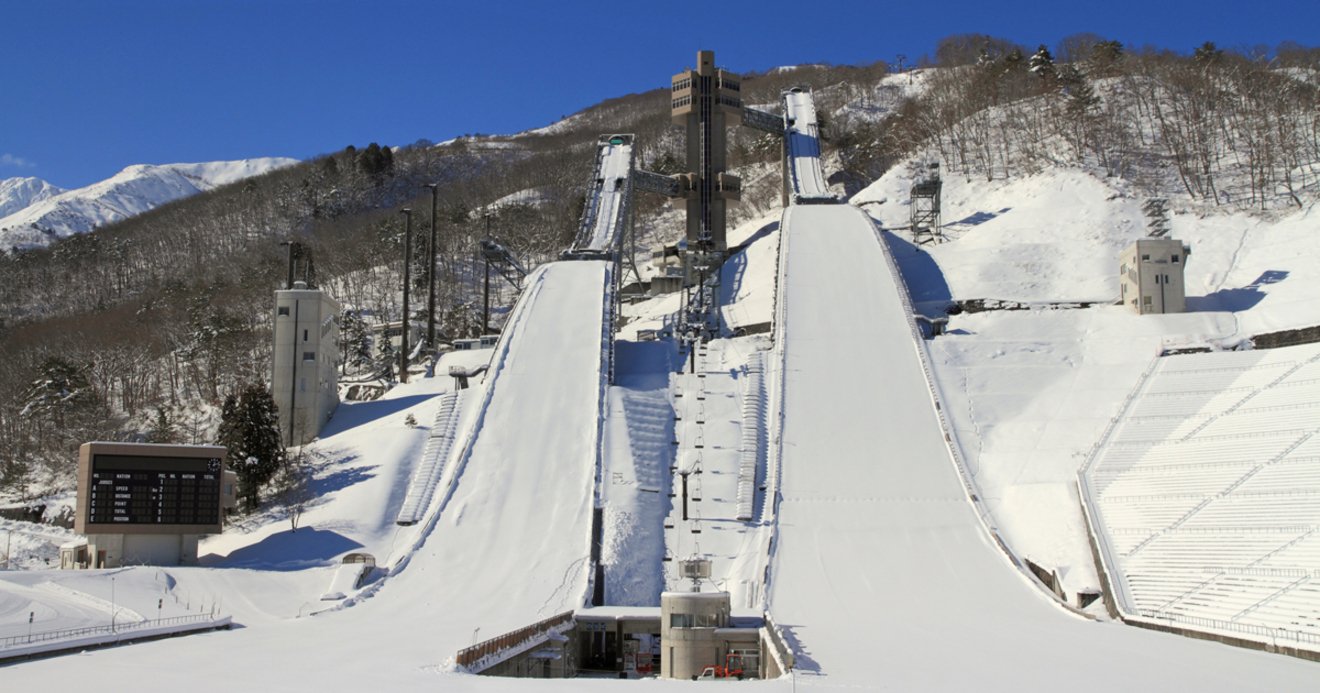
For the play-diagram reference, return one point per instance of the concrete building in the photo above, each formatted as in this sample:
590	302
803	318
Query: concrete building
1151	276
707	101
696	632
145	504
305	361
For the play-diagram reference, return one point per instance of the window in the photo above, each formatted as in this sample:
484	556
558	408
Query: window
1145	258
681	621
1174	259
708	620
1146	300
284	310
309	355
304	384
304	335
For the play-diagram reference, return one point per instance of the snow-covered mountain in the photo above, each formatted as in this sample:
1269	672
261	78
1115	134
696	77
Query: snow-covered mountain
17	194
37	213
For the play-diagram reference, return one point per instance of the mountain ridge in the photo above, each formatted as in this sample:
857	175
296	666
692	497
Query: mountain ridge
36	213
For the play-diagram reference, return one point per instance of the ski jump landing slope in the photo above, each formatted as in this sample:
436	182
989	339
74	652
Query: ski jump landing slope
509	545
883	575
520	517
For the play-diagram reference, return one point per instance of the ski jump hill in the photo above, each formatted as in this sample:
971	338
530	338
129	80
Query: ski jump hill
883	571
886	571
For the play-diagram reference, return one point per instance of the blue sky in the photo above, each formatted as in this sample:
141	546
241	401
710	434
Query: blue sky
88	88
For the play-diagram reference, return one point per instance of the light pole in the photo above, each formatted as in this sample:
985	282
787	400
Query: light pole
407	279
485	306
430	277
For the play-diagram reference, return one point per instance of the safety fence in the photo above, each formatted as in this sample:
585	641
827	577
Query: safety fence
1252	631
109	629
470	656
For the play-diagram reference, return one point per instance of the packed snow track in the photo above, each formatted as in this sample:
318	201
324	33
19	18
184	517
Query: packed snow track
883	574
802	149
608	198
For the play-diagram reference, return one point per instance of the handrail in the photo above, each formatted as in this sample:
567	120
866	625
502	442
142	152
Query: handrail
46	636
1243	628
470	656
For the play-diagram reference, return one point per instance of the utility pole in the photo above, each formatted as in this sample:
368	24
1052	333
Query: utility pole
901	58
407	279
485	309
430	277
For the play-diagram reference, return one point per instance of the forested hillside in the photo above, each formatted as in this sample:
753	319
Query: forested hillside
140	329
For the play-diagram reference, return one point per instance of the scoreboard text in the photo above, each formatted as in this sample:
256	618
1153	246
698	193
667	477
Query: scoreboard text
137	490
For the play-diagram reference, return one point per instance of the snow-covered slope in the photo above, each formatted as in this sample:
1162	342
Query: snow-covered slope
883	576
1031	389
39	215
17	194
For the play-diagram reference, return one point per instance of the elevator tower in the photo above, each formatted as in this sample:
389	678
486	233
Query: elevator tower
706	102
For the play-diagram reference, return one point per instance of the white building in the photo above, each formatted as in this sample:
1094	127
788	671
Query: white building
1150	276
304	370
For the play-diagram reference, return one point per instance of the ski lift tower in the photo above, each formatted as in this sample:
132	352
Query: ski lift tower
925	206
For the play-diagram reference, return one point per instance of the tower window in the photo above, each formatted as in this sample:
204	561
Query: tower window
284	310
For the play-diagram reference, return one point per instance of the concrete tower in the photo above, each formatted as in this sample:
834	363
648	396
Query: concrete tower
707	101
305	358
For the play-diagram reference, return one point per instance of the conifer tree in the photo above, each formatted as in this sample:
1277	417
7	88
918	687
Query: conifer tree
249	430
1042	63
385	355
356	341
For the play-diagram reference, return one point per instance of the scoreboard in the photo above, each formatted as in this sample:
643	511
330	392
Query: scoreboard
128	489
150	489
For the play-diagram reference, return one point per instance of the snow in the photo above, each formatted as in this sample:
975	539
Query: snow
883	569
132	191
1030	391
884	572
1202	493
19	193
609	194
804	145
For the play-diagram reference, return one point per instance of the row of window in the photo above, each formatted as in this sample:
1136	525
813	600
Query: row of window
730	85
685	83
694	620
679	103
728	101
1172	258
